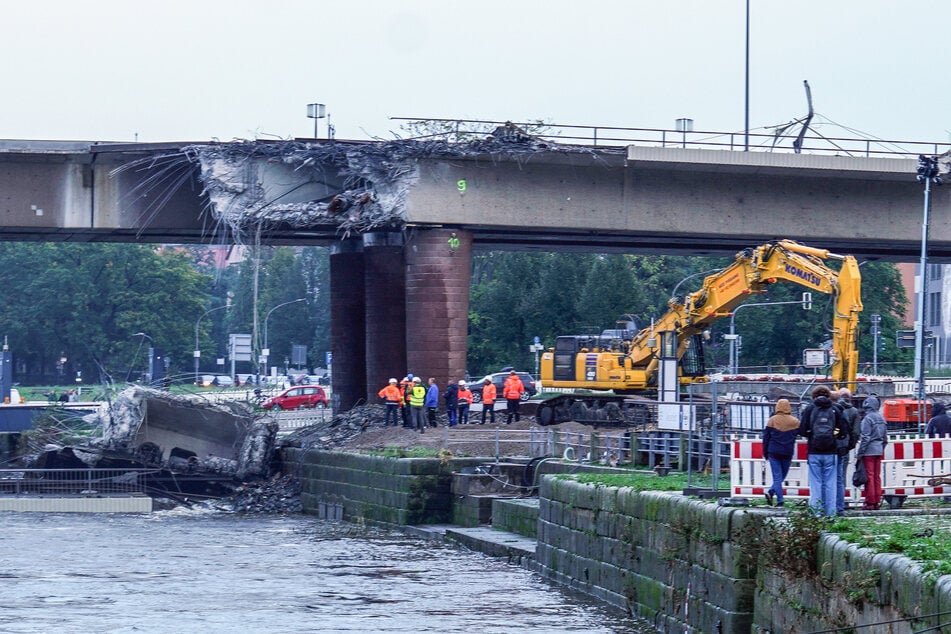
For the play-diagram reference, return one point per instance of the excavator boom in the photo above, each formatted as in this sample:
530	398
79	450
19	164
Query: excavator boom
590	363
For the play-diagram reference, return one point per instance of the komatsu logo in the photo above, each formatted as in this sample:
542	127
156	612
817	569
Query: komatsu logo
806	276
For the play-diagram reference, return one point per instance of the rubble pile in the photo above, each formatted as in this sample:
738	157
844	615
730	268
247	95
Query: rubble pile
280	494
338	431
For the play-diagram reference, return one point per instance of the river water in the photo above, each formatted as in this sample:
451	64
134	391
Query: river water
188	571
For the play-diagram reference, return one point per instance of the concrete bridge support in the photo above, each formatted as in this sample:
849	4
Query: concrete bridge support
385	284
347	324
398	308
437	303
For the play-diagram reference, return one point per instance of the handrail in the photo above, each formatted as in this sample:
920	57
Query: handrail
704	139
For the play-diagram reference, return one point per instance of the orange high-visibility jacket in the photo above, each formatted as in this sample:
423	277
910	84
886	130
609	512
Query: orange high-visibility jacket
513	387
489	393
391	393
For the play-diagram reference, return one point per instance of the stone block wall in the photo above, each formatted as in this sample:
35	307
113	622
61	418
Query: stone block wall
642	551
691	565
519	516
376	488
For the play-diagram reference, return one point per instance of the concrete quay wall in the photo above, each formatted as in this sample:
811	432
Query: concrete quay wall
682	563
690	565
356	487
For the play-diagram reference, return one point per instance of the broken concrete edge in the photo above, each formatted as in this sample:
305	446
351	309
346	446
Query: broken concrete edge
186	434
363	185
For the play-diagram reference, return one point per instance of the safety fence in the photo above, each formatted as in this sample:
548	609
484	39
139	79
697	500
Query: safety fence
297	419
73	481
913	466
673	450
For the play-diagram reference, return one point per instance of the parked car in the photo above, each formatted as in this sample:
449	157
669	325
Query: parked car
297	397
499	380
216	380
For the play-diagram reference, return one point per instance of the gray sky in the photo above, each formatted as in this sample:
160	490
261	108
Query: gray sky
201	69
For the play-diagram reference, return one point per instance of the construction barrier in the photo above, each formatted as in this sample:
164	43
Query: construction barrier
913	466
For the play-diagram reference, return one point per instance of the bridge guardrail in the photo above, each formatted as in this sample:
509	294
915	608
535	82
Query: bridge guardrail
72	481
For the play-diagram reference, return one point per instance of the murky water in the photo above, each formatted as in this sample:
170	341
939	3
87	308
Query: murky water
194	572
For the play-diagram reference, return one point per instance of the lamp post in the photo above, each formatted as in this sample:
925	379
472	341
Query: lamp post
316	111
266	352
197	351
136	356
927	174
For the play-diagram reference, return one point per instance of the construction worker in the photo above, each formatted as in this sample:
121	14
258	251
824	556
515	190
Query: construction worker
392	399
465	400
512	393
417	398
489	392
406	389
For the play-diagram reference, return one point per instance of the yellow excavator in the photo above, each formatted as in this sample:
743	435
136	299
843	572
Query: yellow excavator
631	365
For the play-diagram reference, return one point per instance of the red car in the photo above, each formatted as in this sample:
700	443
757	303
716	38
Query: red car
297	397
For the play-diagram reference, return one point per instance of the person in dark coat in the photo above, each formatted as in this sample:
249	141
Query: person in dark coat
451	397
779	446
940	423
823	459
871	449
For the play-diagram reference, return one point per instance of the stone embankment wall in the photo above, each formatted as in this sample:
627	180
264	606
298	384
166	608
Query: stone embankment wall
683	564
687	564
358	487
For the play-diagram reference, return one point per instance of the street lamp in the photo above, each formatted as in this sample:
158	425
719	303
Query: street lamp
265	352
316	111
136	355
197	352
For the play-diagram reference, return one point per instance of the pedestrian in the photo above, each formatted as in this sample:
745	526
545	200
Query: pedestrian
465	400
452	402
432	401
822	425
853	421
489	392
417	401
779	446
392	397
940	423
871	449
512	391
64	397
406	387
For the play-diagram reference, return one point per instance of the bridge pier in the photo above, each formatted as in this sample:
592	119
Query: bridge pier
398	308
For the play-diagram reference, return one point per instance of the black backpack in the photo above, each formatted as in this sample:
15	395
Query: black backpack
823	429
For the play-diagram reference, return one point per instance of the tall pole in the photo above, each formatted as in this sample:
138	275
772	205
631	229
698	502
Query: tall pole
268	316
746	128
197	351
922	295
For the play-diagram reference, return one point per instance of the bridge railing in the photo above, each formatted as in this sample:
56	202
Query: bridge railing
72	481
615	136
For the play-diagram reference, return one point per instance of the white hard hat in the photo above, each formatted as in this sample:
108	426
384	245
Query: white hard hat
461	382
416	379
393	381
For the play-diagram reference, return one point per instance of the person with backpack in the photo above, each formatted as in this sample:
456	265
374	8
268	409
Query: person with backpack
871	449
823	426
853	421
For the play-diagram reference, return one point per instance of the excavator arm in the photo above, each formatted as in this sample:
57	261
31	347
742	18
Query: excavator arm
751	273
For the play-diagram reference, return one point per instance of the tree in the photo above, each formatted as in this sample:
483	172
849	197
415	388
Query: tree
85	302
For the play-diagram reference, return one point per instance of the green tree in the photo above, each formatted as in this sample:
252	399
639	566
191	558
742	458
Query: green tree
86	302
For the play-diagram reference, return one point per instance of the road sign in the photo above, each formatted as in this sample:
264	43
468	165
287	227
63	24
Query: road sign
239	347
814	358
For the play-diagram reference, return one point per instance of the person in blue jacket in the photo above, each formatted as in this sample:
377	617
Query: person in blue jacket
779	446
432	401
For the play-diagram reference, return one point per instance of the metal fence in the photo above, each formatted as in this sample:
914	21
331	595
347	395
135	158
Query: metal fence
607	136
72	481
651	448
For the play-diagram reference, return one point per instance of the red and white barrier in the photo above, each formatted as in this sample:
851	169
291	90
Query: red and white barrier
913	465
